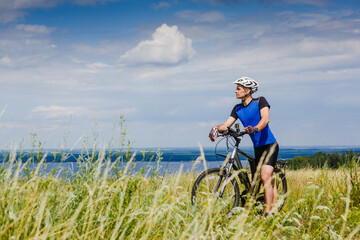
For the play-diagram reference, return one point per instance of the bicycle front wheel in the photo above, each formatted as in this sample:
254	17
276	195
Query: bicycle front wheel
205	194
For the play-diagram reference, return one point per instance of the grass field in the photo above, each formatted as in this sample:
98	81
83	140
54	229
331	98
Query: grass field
322	204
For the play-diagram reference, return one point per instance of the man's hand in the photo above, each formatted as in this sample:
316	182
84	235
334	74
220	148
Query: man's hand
251	130
213	134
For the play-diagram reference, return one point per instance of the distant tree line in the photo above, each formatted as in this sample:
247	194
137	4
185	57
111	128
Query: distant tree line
320	160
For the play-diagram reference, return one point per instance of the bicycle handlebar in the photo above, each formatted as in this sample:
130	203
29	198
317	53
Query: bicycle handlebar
233	133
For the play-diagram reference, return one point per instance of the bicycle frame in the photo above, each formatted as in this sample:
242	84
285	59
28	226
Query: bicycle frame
216	180
237	166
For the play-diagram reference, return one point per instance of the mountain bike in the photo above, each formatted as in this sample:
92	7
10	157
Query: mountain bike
229	186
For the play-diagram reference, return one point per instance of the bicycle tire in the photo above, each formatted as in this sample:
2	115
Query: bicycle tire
279	180
202	194
281	183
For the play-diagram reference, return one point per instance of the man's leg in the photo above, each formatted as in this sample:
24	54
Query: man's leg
266	173
274	197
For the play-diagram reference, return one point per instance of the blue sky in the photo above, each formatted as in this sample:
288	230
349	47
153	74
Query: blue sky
69	69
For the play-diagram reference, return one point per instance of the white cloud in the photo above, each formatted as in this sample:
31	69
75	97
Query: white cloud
10	15
6	61
320	3
34	28
92	2
161	4
319	47
285	55
291	19
201	17
13	10
108	49
223	101
55	111
26	4
207	124
25	52
11	125
168	46
210	17
98	65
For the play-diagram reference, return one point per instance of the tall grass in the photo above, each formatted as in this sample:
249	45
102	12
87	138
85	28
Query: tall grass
103	201
93	204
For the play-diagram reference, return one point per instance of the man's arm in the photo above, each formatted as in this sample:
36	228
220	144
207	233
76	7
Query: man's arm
265	118
224	127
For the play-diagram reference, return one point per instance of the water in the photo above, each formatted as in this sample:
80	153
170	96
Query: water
174	159
190	154
163	167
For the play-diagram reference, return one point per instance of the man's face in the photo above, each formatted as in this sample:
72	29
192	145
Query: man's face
241	91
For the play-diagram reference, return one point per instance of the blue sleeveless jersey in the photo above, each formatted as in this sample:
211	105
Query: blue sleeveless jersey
250	116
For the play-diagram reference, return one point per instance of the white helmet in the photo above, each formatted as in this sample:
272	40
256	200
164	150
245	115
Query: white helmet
248	83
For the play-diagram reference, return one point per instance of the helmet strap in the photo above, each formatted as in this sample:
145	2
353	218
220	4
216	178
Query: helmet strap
247	95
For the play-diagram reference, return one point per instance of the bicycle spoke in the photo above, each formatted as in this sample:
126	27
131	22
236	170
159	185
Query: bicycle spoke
206	198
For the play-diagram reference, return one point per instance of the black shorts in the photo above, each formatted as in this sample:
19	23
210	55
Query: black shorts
267	153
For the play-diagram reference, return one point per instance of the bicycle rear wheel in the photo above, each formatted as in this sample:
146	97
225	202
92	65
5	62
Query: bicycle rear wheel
205	196
279	181
280	189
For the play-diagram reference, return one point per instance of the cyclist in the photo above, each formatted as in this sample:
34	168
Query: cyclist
254	115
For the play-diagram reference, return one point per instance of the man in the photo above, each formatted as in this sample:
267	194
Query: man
254	115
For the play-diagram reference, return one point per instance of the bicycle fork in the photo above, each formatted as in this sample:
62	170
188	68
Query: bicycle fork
226	174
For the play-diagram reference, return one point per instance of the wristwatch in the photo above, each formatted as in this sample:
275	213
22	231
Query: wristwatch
256	130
